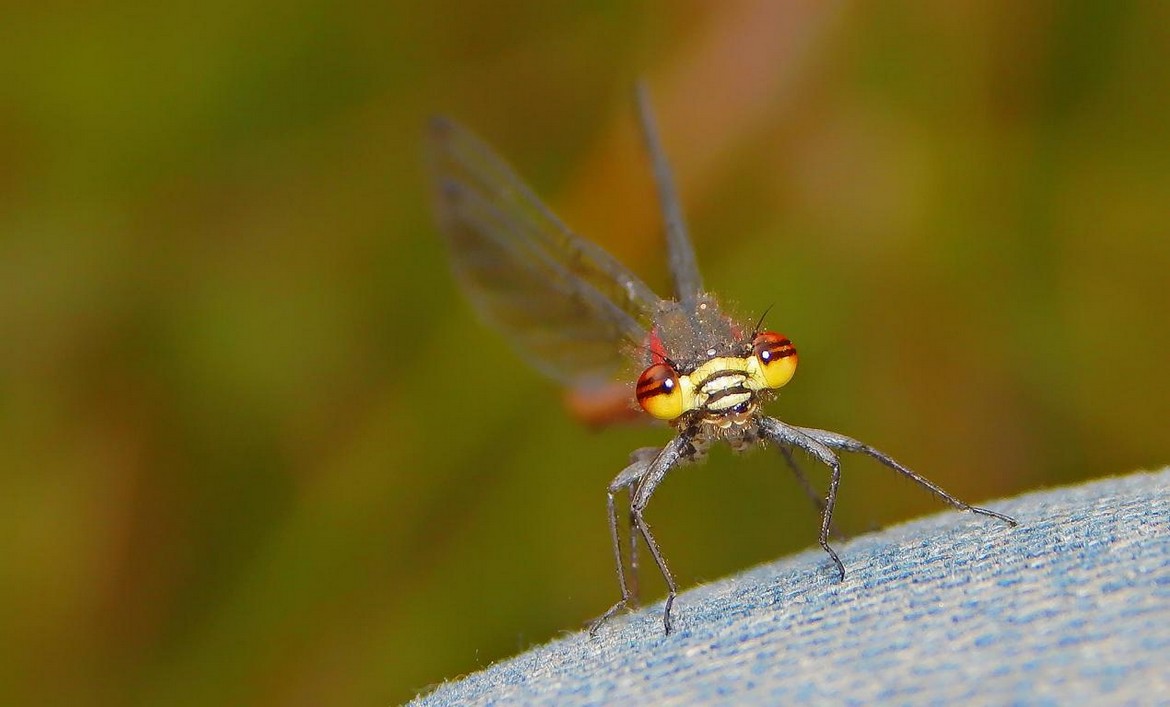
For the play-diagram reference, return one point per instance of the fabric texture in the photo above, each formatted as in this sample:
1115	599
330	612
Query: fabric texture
1073	605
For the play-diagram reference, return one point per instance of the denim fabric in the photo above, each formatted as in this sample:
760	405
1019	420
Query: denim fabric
1071	606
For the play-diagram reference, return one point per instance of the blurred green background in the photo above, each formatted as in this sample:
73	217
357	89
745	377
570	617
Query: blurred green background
254	448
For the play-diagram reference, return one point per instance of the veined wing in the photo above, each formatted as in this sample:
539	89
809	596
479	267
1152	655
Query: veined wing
680	253
566	305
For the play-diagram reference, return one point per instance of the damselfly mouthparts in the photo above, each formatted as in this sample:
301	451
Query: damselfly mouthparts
574	312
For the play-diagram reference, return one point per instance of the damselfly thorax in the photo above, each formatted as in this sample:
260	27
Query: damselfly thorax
576	313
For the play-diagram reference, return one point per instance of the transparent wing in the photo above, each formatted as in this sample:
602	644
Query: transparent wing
680	253
566	305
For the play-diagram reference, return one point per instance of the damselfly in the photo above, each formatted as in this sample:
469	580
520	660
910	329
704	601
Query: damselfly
574	312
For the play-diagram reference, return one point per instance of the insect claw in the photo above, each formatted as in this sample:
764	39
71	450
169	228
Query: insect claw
836	560
595	626
998	516
666	624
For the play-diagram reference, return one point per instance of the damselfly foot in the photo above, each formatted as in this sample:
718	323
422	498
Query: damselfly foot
625	605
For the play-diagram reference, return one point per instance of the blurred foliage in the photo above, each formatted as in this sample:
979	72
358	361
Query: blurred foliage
254	449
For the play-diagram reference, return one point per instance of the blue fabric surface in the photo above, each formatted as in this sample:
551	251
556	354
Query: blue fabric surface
1071	606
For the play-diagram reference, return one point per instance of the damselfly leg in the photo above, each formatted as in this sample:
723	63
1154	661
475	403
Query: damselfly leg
648	476
848	444
805	484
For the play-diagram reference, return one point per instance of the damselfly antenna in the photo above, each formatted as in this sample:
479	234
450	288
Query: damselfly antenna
572	310
760	321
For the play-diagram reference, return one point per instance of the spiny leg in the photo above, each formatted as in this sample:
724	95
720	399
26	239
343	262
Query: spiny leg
643	457
848	444
640	462
656	553
627	479
806	486
786	436
635	588
827	517
664	461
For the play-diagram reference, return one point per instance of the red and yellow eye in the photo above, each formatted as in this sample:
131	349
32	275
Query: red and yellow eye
775	356
659	392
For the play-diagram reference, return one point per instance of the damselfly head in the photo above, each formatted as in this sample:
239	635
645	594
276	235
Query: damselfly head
703	366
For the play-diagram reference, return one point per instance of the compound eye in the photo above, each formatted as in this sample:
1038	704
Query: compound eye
659	392
777	357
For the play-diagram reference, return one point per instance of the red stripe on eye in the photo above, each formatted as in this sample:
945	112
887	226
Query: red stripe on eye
658	379
658	392
770	346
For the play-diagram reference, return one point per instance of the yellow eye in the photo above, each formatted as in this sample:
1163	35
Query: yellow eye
659	392
776	356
